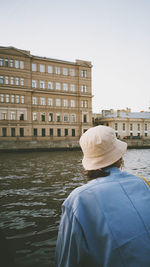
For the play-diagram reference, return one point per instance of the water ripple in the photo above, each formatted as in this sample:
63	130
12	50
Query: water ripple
33	187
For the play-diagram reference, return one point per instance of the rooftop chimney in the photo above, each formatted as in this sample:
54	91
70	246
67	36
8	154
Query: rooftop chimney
111	111
118	113
103	113
128	110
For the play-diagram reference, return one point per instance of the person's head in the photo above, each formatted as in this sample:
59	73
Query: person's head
101	148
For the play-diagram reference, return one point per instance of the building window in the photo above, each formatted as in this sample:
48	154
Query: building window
21	132
72	72
50	85
84	103
50	116
21	117
12	115
34	67
139	134
17	64
50	102
21	64
4	116
116	126
73	132
1	62
1	79
73	118
123	126
50	69
34	84
6	62
66	117
42	101
34	131
83	89
2	98
22	99
12	80
145	134
11	63
58	117
131	127
7	98
43	132
51	131
17	99
72	103
34	100
65	87
66	132
65	102
58	132
13	133
34	116
65	71
145	126
42	68
72	87
138	127
17	81
12	99
4	132
22	81
42	84
43	116
57	70
6	80
83	73
58	87
58	102
84	118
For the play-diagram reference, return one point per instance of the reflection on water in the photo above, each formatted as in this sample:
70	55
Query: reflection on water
33	187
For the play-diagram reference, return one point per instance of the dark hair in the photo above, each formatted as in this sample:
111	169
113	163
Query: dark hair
93	174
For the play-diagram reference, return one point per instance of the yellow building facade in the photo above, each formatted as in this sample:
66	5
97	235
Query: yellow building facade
43	98
127	124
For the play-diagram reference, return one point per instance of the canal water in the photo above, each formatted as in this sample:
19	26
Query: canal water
32	189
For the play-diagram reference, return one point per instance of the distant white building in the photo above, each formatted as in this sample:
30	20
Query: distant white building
127	124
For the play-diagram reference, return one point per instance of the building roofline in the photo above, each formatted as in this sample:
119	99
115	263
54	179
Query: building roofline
53	59
124	114
27	53
77	62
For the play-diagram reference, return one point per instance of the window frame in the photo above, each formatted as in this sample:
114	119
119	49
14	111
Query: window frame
34	67
42	68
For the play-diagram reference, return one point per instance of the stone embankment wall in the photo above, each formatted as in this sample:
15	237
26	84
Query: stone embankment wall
38	145
60	145
138	143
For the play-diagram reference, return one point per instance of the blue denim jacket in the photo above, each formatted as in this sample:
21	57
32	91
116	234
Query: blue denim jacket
106	222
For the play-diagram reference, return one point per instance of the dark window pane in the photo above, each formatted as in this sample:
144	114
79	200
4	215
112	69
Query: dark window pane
51	132
4	131
21	132
43	132
35	132
73	132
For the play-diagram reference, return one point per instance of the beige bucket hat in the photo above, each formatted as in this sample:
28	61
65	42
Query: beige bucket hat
100	147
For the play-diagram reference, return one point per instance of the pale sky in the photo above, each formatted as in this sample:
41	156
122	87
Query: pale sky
113	34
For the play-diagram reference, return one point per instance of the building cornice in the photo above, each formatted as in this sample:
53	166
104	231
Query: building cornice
78	62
